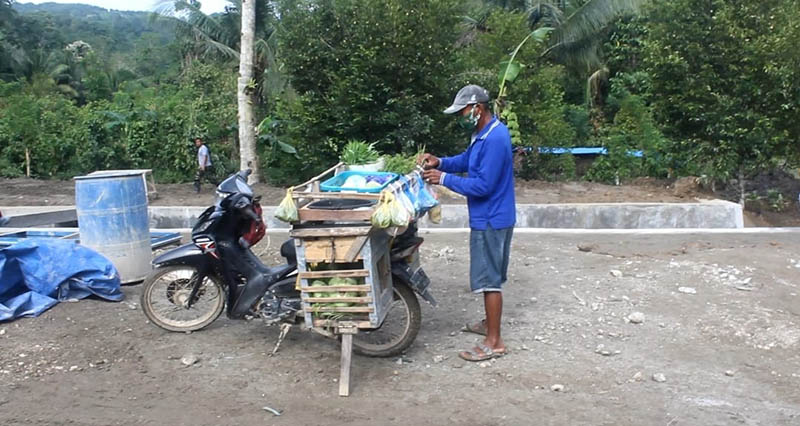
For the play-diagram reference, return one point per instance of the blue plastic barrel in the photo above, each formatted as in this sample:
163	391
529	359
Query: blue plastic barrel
112	219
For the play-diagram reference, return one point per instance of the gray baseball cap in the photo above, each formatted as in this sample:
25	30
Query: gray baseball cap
468	95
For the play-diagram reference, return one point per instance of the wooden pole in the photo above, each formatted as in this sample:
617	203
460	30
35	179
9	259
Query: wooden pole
27	162
344	374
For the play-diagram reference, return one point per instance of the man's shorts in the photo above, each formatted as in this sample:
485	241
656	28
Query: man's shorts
488	258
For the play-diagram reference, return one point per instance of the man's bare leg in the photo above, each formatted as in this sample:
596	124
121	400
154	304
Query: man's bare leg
493	304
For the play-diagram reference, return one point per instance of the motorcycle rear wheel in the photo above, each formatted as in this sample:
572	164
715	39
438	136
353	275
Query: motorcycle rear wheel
165	292
398	330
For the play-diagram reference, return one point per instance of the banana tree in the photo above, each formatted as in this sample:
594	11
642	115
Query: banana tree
509	71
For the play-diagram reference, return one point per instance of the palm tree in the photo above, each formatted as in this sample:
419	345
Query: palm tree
203	35
575	24
47	69
218	36
6	11
243	33
247	136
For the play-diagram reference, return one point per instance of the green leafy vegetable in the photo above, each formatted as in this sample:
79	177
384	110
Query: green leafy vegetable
359	152
400	164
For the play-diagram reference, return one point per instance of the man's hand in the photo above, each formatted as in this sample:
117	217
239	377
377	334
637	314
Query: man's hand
432	176
428	161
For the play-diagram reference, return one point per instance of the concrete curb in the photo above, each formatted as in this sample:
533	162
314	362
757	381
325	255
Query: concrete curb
711	214
707	214
523	231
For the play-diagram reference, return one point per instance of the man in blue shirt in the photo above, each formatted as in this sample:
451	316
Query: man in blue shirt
489	188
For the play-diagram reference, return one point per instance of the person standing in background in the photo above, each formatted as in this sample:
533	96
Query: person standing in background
204	167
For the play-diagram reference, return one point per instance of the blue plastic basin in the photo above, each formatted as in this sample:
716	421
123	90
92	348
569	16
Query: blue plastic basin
335	184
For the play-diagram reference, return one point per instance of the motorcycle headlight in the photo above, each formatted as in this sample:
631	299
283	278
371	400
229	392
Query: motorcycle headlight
202	227
220	196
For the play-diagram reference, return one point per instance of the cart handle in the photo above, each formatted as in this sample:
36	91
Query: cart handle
318	177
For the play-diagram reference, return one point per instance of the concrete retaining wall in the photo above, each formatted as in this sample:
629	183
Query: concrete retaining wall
710	214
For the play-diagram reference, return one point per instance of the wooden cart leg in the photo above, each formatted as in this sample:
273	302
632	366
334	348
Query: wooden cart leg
344	376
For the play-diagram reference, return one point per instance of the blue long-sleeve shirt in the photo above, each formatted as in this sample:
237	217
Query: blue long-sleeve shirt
489	184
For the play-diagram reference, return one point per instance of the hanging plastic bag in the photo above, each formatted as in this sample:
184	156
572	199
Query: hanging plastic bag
408	195
425	199
287	209
403	200
400	216
382	218
412	192
400	192
435	213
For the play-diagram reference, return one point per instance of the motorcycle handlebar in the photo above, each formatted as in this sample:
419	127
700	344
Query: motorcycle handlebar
245	173
250	214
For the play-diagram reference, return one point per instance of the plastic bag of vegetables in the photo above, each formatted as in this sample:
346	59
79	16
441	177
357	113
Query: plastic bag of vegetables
425	198
400	216
405	202
390	212
403	197
382	218
435	213
287	209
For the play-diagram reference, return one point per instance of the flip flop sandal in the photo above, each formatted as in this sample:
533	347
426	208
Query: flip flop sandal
477	328
480	353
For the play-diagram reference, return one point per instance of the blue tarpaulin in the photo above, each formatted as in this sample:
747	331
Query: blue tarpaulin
579	151
35	274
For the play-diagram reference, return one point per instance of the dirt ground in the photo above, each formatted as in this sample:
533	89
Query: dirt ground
31	192
721	323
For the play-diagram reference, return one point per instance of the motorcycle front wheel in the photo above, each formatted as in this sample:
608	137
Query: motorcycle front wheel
166	293
398	330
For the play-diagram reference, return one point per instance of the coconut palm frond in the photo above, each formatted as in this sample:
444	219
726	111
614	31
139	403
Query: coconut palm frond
473	25
545	12
17	57
58	70
272	79
214	35
582	55
67	90
210	46
591	17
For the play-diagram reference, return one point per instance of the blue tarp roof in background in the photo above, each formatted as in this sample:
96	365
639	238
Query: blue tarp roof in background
595	150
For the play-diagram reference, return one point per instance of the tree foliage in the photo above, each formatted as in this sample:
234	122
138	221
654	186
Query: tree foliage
699	87
722	87
363	71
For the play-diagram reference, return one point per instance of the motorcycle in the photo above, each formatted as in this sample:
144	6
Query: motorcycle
191	285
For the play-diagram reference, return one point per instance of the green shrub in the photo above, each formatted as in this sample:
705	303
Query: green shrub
549	167
633	129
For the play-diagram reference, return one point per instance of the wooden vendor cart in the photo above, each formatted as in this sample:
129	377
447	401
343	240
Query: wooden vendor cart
341	243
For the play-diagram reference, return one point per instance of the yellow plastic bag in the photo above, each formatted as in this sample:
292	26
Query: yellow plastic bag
382	218
400	216
287	209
